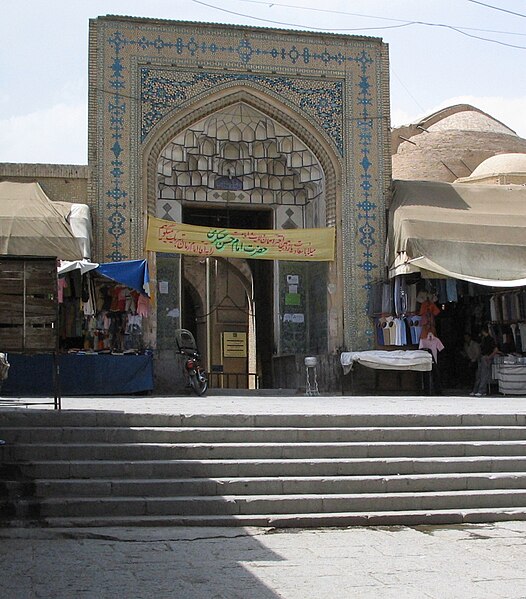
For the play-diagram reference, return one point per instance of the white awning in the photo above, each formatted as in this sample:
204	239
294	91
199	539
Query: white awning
471	232
32	225
70	265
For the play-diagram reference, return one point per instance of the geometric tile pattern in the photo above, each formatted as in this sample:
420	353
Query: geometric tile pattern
240	149
162	91
145	73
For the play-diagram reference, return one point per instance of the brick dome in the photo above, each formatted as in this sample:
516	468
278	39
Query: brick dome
451	144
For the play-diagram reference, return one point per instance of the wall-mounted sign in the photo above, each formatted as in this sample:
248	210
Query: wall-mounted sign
235	345
297	318
292	299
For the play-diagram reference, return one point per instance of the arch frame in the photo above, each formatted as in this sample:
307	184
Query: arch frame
121	48
198	108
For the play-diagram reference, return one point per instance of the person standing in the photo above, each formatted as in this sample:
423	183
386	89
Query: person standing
488	350
470	355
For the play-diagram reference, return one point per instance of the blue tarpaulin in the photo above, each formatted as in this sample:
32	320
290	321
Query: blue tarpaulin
80	374
132	273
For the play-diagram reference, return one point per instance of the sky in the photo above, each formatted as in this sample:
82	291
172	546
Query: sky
442	52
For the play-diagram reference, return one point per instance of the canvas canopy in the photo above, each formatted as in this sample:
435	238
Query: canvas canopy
32	225
79	219
132	273
70	265
471	232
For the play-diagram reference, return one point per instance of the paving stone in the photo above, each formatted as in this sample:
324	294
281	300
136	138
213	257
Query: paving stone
472	562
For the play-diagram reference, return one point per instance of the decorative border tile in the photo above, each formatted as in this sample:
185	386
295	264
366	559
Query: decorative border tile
146	69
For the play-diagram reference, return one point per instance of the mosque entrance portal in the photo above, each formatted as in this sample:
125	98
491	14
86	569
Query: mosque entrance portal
240	168
230	311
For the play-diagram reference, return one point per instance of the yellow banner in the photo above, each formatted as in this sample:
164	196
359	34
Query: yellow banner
272	244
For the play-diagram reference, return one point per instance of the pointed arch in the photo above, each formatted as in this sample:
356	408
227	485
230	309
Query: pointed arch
198	109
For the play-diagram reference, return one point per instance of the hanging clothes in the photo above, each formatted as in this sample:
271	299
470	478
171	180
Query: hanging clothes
411	298
433	344
428	311
387	298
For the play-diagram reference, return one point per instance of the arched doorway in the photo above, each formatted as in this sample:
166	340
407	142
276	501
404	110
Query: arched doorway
233	315
238	167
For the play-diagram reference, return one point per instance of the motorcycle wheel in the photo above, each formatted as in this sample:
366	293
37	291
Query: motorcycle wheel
198	385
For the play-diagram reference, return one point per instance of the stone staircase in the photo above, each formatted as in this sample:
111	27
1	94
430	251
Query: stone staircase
83	468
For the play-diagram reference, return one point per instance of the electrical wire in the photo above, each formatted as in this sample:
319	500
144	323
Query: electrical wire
238	14
510	12
324	10
360	15
405	24
407	90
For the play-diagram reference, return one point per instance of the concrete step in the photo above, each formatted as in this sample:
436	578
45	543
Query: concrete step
265	467
267	485
213	434
201	451
263	504
266	470
106	419
340	519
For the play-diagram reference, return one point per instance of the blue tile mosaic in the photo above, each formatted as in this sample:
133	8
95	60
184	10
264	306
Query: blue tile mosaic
150	69
162	91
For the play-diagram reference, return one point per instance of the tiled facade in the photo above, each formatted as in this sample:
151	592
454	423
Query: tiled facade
151	80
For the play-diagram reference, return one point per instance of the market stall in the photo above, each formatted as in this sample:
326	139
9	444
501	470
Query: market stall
68	326
102	307
34	232
32	225
100	334
474	233
456	260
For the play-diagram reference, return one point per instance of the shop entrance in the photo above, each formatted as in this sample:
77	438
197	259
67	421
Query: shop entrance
227	303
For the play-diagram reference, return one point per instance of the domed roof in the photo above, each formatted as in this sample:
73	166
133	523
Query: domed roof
464	117
501	164
450	144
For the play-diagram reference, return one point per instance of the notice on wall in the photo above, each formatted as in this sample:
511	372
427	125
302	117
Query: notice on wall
292	299
297	318
163	287
235	345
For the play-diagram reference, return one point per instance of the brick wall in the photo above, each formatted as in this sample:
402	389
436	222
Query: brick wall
60	182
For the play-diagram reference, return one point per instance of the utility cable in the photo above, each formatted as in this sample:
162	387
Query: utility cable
407	90
405	24
510	12
360	15
238	14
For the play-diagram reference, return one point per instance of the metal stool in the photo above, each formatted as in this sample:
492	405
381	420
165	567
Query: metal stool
311	388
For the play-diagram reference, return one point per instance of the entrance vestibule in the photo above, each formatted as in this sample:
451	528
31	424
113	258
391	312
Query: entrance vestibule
238	168
227	304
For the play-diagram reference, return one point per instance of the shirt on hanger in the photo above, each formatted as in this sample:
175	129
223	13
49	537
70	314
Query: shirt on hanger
432	343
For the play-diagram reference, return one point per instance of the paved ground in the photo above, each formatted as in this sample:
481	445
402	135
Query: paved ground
297	404
462	562
471	562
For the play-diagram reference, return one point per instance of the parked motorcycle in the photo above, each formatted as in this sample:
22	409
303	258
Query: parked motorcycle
195	374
